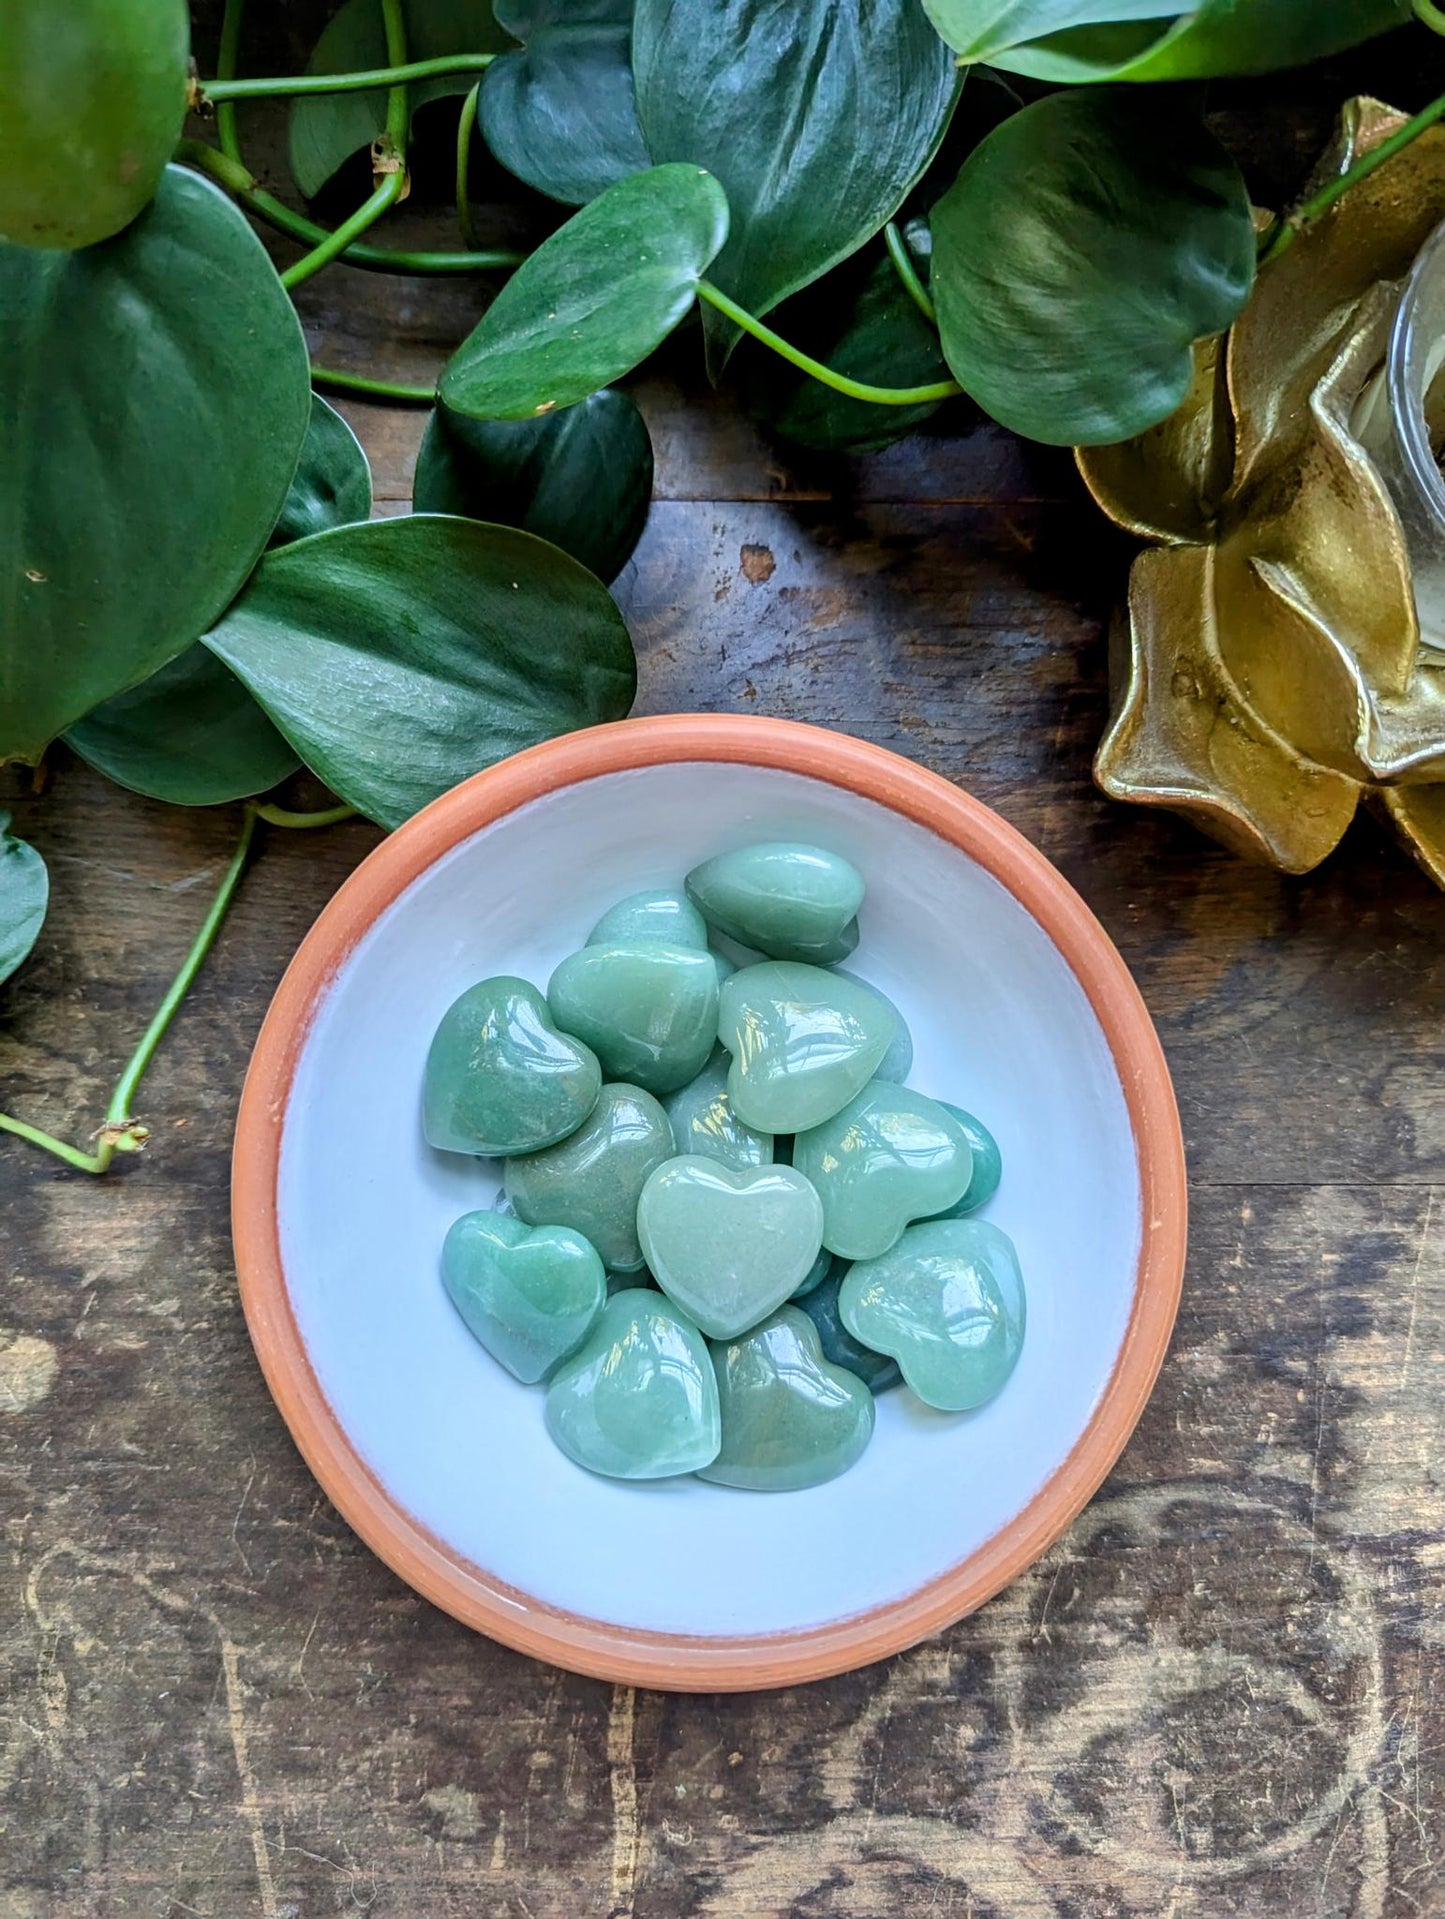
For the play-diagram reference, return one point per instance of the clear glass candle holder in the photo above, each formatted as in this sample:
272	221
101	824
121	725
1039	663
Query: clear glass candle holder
1401	423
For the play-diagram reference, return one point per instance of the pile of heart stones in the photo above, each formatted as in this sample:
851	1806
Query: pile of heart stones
728	1224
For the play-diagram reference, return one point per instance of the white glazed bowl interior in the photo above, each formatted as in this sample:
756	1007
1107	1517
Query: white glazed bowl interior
1000	1025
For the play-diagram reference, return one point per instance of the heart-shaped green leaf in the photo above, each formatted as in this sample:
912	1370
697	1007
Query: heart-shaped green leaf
859	322
24	893
399	656
987	29
190	734
816	115
327	128
1083	248
1196	43
560	113
154	394
594	299
92	102
581	478
332	483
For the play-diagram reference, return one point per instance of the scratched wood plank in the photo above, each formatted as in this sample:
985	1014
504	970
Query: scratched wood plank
1219	1695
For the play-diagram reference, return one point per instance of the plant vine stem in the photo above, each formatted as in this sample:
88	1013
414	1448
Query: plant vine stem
371	209
120	1132
855	389
1429	15
365	388
232	173
1283	233
303	822
220	91
908	273
466	126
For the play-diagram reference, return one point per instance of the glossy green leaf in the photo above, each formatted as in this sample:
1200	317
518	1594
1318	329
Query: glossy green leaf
24	893
332	483
560	113
327	128
594	299
1085	244
581	478
92	101
1219	37
859	321
190	734
154	393
816	115
986	29
400	656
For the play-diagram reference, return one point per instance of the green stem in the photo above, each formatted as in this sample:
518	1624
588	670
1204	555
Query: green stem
121	1133
369	389
398	100
233	174
1430	15
855	389
227	57
908	273
303	822
219	91
371	209
465	128
1281	235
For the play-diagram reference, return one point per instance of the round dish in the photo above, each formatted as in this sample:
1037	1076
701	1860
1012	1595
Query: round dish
1021	1010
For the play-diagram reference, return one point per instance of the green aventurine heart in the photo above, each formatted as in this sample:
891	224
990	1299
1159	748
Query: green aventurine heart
530	1294
803	1042
652	915
790	901
500	1078
728	1245
647	1008
877	1370
948	1303
890	1156
897	1062
987	1164
640	1400
703	1120
593	1181
789	1419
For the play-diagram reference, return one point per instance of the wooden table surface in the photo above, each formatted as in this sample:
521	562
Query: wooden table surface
1220	1693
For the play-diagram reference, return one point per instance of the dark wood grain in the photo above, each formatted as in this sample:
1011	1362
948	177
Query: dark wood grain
1220	1694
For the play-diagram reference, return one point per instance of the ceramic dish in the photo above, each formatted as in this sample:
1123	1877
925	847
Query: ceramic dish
1020	1008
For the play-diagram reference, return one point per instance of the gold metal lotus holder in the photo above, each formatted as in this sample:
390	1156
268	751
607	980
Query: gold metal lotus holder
1269	673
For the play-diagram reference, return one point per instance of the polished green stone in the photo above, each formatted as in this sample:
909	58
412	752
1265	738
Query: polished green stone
728	1245
892	1155
987	1164
789	1418
648	1009
815	1275
499	1076
530	1294
725	967
803	1042
593	1180
790	901
703	1120
640	1400
897	1062
653	915
878	1372
948	1303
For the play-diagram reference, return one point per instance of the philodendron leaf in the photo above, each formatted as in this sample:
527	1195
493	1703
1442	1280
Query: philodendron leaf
861	323
190	734
581	478
92	102
1083	248
594	299
327	128
1102	42
985	29
24	892
560	113
154	393
400	656
816	115
332	482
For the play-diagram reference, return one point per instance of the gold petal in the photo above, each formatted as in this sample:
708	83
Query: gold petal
1167	484
1418	816
1181	736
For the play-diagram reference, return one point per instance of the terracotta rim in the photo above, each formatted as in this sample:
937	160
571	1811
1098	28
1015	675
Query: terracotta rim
632	1655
